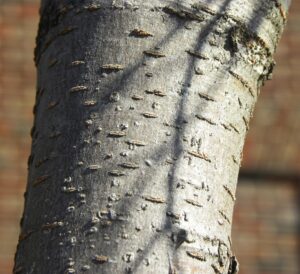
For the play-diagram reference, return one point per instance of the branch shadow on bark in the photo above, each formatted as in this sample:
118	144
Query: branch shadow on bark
177	143
256	19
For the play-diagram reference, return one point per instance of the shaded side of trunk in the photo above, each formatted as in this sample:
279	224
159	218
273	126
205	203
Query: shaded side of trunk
141	113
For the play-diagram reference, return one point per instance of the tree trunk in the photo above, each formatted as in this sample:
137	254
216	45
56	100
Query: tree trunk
141	112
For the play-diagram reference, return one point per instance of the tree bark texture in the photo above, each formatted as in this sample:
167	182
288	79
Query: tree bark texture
141	112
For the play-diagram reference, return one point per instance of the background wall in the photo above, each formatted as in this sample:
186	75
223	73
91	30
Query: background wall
18	27
266	230
266	223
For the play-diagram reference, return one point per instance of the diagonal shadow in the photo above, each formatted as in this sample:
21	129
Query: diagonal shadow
188	79
176	142
180	117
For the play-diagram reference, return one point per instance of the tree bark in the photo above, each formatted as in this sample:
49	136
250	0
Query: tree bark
141	112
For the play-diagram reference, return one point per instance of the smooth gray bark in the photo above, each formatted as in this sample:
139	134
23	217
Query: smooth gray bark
141	113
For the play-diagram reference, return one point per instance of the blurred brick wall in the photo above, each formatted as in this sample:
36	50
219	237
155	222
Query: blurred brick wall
18	26
266	222
273	142
266	227
266	230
